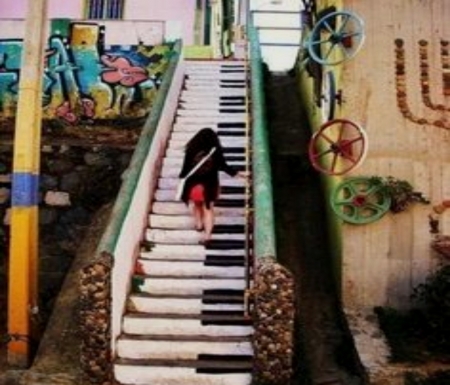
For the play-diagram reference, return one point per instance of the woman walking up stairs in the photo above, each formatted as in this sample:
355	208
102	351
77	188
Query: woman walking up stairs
185	321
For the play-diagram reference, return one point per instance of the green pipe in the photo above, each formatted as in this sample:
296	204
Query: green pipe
264	222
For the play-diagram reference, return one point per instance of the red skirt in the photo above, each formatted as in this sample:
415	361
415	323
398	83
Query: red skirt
197	193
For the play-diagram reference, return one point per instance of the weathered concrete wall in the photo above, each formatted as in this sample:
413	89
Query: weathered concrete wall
398	89
384	260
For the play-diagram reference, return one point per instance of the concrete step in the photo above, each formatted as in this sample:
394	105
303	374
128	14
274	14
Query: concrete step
179	143
211	105
185	237
238	100
225	183
184	222
177	208
193	252
186	324
187	268
178	162
215	75
173	172
181	347
218	92
169	195
185	285
192	128
226	140
179	304
164	372
206	113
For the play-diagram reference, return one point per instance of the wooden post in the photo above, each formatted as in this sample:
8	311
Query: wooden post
23	255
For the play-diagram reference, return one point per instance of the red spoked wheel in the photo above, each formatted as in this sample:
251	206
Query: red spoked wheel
339	146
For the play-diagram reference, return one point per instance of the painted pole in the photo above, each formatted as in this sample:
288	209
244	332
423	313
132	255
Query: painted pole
23	254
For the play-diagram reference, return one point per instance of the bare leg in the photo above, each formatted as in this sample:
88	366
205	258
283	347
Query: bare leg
197	211
208	217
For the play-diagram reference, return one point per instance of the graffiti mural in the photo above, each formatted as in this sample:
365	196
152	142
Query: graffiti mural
84	80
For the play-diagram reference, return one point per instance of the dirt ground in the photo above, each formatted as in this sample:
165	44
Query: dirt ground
56	362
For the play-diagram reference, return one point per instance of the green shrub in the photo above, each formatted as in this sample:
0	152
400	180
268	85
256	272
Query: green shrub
434	298
438	378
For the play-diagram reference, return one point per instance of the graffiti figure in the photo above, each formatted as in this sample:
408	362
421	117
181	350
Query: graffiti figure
121	71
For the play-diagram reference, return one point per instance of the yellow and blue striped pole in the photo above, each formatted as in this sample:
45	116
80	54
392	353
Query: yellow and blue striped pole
23	255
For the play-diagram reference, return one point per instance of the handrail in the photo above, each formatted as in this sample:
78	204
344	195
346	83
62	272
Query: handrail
264	221
249	259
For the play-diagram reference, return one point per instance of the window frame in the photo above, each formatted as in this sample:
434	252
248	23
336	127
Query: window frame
105	9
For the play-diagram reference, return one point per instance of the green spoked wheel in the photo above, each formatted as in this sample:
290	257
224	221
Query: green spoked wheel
360	200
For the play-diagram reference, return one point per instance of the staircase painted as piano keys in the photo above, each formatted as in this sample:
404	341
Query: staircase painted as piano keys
185	323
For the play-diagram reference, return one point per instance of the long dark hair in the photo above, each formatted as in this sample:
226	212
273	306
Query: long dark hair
203	140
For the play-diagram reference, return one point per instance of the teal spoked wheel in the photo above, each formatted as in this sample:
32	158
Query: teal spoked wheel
360	200
336	37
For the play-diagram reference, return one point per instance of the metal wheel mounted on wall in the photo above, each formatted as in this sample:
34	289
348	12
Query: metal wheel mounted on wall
338	147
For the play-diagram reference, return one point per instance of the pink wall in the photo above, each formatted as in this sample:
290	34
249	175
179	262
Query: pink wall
17	9
179	14
177	11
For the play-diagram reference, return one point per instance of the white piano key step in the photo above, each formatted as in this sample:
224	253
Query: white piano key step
158	285
188	222
185	236
137	347
180	144
177	208
178	162
160	375
181	305
210	114
136	324
186	252
170	195
172	183
188	268
210	105
221	92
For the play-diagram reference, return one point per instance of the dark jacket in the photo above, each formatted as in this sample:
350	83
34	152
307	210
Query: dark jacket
207	174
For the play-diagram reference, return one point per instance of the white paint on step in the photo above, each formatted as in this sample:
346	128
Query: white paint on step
177	305
146	375
179	350
180	326
189	285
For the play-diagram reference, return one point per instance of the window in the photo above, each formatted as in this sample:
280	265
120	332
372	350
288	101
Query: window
105	9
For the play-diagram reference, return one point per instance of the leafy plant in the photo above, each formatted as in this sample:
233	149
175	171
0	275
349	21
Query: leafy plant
421	334
438	378
401	192
434	296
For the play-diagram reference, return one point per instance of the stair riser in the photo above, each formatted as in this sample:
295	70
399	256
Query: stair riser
177	305
181	327
189	286
181	252
178	162
172	183
170	195
203	93
188	222
185	236
186	269
180	350
143	375
211	106
180	144
177	208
